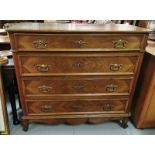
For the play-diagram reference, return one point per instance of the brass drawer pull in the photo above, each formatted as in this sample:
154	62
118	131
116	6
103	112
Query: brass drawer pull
79	86
40	44
44	89
80	42
107	107
111	88
115	67
120	43
42	67
46	108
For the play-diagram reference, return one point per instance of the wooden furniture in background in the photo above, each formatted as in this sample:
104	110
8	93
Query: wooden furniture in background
140	23
76	72
8	74
3	22
144	99
3	32
4	42
4	127
10	84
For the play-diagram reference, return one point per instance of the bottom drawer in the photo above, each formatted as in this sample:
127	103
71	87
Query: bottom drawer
77	106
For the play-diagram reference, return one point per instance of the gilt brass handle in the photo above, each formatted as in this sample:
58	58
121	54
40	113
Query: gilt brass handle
115	67
44	89
111	88
80	42
107	107
120	43
40	44
42	67
46	108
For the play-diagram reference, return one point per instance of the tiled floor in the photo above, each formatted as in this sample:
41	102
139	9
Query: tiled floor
107	128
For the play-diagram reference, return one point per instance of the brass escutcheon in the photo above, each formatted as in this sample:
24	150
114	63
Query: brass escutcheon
107	107
46	108
80	42
79	86
111	88
44	89
40	44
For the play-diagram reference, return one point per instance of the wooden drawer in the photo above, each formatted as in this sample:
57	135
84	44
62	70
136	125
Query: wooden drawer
76	106
76	86
77	41
80	63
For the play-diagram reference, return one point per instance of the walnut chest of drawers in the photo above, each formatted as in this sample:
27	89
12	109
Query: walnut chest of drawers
76	73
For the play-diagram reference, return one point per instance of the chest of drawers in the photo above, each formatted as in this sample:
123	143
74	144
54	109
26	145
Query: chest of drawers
76	73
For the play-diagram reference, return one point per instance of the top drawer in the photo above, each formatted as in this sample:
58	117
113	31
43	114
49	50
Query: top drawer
62	42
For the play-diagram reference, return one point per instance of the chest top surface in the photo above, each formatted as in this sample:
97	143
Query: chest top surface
75	28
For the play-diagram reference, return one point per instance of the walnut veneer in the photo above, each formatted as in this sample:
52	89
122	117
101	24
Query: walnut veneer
76	73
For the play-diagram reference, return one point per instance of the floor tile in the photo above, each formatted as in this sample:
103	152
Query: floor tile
134	131
43	129
106	128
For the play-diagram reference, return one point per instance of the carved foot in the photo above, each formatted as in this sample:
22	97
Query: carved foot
124	123
25	128
25	125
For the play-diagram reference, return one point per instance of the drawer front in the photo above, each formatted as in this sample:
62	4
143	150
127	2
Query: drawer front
77	106
53	86
77	41
61	63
